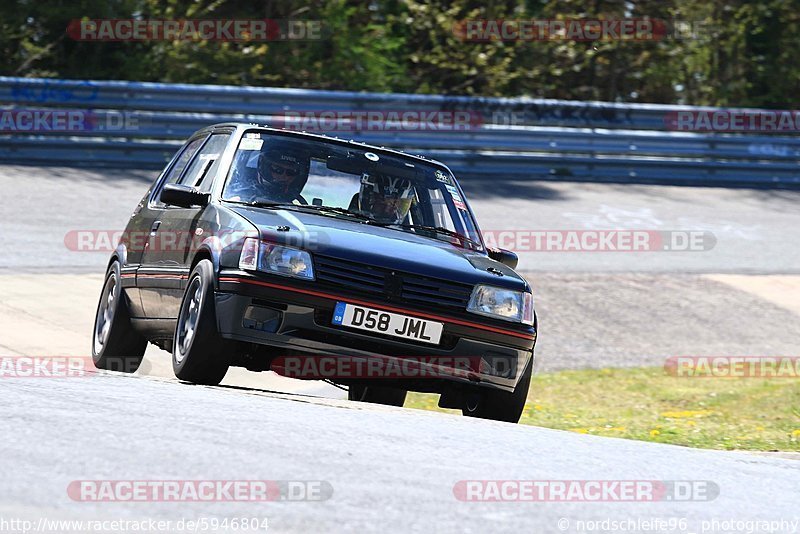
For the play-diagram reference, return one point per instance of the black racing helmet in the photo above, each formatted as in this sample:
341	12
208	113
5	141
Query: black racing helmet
283	166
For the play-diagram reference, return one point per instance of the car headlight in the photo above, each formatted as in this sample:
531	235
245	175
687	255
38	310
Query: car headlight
506	304
277	259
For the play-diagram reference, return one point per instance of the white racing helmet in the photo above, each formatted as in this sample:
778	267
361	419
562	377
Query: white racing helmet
385	198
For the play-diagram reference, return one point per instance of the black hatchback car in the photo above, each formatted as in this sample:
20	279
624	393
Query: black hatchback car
318	258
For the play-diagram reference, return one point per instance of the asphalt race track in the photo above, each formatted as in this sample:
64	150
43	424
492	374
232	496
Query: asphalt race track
392	469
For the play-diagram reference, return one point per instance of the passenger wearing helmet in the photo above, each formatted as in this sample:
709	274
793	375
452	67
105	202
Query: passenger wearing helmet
280	175
385	198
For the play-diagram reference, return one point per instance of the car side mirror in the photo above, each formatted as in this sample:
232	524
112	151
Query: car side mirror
184	196
506	257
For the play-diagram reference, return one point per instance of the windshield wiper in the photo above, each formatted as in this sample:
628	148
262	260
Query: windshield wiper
340	211
440	230
329	209
265	204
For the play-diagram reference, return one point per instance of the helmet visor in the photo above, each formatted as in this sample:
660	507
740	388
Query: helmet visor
277	170
386	198
391	209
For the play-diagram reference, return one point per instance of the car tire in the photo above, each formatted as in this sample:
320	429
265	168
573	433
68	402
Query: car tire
199	354
377	395
116	346
500	405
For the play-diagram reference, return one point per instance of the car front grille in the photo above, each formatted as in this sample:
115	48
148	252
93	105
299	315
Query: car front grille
391	285
363	278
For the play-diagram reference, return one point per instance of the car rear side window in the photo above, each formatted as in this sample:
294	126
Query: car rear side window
203	169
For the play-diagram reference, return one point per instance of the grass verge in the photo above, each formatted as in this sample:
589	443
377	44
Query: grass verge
647	404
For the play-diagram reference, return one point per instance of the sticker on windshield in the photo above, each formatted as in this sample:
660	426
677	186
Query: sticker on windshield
457	200
252	135
442	177
251	144
453	192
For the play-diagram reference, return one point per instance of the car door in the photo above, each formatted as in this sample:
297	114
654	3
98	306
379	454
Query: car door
166	260
150	279
135	237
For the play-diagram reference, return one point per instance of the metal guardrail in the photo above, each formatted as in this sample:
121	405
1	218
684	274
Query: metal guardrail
549	139
144	96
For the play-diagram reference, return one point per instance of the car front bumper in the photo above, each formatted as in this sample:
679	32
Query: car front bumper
296	318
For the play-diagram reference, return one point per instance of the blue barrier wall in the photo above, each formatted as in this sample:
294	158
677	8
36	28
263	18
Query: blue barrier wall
135	124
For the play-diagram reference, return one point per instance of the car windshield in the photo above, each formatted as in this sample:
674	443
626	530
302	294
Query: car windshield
339	181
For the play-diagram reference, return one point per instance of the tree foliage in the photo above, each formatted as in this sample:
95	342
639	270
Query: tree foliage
743	55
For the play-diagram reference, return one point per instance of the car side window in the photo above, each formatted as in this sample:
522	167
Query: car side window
180	165
203	169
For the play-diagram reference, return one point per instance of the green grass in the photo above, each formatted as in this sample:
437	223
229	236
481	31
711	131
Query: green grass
647	404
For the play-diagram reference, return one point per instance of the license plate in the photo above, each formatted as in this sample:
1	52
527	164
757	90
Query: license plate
391	324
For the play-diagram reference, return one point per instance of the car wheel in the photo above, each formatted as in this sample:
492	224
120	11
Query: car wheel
116	346
377	395
199	354
500	405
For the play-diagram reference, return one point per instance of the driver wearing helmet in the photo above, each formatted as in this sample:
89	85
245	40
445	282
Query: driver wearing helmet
384	198
280	175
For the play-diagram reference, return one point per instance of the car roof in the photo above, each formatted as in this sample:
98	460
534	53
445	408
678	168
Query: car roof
241	126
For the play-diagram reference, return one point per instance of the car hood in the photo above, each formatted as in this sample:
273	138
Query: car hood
348	239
